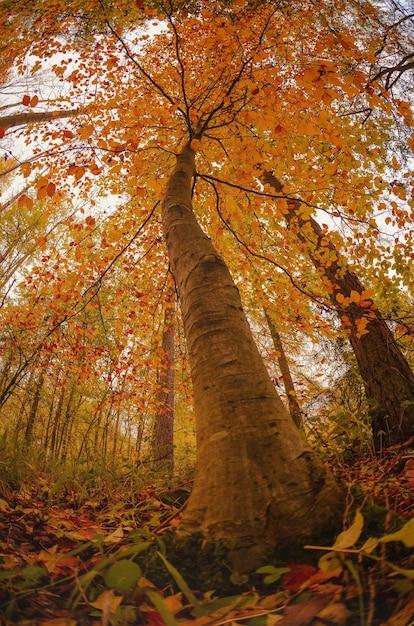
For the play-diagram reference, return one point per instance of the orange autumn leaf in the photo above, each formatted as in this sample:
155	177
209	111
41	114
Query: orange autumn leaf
42	192
86	131
90	221
25	201
50	189
354	296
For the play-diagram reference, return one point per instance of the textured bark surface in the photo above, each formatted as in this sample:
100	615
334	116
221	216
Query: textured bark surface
21	119
387	376
257	482
163	442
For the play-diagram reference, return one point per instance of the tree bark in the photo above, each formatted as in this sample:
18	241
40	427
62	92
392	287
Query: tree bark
257	482
163	441
31	117
28	435
387	376
294	408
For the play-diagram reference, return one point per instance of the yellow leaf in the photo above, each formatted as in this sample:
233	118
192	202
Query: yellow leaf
116	536
106	600
334	613
350	536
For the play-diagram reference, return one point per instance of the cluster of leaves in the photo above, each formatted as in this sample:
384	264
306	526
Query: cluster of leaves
83	264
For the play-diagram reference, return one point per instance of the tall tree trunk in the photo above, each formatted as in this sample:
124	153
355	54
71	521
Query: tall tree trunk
31	117
387	376
294	408
163	440
257	482
67	417
54	444
28	435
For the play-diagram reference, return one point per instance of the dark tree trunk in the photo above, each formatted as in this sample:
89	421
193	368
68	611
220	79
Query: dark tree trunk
28	435
163	441
294	408
387	376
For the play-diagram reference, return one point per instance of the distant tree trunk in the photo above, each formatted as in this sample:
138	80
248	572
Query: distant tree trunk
28	435
387	376
294	408
51	411
54	439
31	117
257	482
163	440
138	442
63	442
6	365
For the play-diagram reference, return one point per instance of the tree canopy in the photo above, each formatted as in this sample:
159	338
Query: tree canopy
245	156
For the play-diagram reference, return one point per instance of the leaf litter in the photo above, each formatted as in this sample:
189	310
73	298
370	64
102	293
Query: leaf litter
72	562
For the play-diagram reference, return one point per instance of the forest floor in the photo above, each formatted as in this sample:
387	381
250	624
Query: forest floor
71	557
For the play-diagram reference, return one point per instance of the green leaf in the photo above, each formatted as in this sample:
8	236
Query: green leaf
405	534
180	581
370	545
161	607
350	536
329	562
123	575
239	579
33	573
273	573
408	573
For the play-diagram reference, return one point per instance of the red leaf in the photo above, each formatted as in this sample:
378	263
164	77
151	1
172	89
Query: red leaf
298	574
303	614
26	101
2	132
154	618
